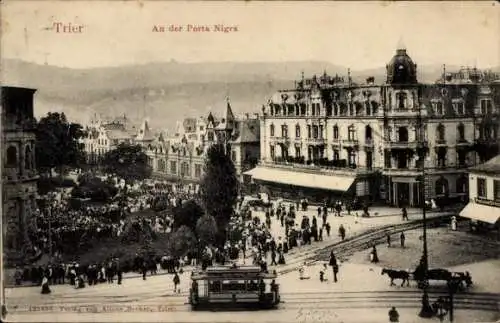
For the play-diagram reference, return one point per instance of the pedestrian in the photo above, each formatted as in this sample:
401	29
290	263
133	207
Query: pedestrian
405	214
374	255
273	258
342	232
144	270
335	272
393	315
402	238
327	227
322	274
45	285
177	281
388	240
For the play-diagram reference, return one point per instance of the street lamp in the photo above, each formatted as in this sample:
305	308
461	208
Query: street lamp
426	310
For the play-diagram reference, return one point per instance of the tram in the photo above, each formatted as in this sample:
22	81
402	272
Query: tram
237	287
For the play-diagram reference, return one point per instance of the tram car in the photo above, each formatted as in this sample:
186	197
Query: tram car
236	287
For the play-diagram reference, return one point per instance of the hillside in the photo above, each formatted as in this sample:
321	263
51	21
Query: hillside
167	92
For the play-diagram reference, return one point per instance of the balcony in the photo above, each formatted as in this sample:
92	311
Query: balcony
402	171
316	141
315	168
369	142
336	141
350	142
485	201
462	143
440	142
280	140
405	113
401	144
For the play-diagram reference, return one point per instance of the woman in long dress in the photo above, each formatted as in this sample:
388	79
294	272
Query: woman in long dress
45	285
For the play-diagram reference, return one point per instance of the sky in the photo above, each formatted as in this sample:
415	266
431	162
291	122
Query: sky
361	35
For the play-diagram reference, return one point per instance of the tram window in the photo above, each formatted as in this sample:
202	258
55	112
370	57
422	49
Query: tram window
214	286
252	286
233	285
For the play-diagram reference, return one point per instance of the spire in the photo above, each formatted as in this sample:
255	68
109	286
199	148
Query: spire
401	44
229	116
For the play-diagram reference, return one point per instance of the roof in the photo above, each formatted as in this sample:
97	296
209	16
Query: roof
118	134
144	133
227	121
492	166
248	131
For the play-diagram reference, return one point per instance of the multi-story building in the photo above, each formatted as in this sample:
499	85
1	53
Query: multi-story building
330	137
182	157
484	193
103	136
19	176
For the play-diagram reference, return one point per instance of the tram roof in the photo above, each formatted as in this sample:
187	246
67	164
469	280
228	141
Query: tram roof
233	272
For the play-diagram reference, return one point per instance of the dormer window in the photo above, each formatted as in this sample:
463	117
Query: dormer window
459	107
438	107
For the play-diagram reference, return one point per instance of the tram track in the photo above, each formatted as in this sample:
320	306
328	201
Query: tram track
360	242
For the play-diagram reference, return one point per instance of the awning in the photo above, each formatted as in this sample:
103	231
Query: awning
320	181
483	213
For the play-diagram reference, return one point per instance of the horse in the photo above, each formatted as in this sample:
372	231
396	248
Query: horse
397	274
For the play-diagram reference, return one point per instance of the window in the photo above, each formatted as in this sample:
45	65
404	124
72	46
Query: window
351	135
460	108
439	108
173	167
210	136
315	132
197	170
297	151
441	156
352	158
28	158
481	188
441	186
368	133
336	154
273	152
272	130
308	131
486	106
461	132
369	160
233	155
496	188
440	132
462	184
461	157
320	132
335	132
297	131
401	99
284	131
11	156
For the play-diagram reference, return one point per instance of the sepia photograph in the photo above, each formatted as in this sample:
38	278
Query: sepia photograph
250	161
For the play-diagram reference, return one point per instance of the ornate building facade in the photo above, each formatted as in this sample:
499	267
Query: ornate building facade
329	137
182	156
105	135
19	176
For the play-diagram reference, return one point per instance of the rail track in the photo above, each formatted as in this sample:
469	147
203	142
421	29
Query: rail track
359	242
